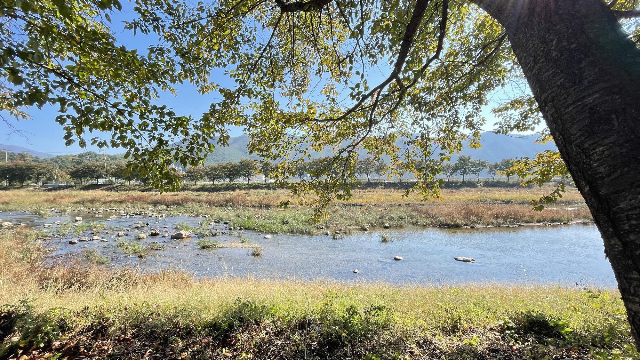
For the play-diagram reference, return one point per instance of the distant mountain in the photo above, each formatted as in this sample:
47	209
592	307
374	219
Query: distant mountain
20	149
236	151
495	148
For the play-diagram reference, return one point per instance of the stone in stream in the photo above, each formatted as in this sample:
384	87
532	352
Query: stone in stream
464	259
120	234
141	236
95	238
355	271
84	239
180	235
78	219
386	226
267	236
397	258
73	241
155	232
47	225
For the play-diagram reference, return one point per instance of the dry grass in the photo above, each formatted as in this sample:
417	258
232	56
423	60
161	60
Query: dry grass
519	195
33	198
258	209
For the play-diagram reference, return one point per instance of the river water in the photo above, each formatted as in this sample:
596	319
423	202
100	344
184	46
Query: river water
569	255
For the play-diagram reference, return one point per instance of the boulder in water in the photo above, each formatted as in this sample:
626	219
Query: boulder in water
180	235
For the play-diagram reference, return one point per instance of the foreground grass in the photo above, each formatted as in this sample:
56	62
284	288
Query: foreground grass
96	312
258	209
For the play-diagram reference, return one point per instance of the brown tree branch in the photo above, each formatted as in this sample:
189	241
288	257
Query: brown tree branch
407	41
301	6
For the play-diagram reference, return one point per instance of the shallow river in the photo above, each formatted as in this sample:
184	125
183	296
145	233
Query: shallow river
568	255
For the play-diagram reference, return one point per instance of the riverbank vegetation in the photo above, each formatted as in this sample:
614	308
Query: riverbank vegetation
87	310
259	208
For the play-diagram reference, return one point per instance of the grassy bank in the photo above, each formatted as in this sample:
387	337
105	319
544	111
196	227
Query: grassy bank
258	209
83	310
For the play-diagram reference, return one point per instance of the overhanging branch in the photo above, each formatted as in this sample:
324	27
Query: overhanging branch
407	42
301	6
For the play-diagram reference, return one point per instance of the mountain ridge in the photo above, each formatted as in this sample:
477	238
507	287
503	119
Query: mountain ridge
19	149
495	148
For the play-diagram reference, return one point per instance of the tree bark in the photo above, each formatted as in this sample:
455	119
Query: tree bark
585	75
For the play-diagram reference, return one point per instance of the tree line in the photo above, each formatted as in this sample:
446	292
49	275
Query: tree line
87	167
365	168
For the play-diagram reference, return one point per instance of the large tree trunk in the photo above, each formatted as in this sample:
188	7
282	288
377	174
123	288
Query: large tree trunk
585	74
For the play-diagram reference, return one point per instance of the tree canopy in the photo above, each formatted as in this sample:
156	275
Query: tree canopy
305	76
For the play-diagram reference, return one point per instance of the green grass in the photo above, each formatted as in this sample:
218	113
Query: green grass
328	321
94	257
94	226
183	226
132	248
208	244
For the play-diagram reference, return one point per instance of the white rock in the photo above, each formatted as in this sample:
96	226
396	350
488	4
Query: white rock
464	259
267	236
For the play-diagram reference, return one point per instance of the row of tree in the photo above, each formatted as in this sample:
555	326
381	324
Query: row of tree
26	169
365	168
465	166
21	172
